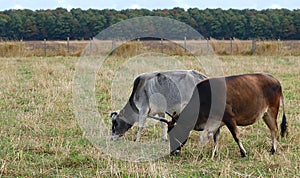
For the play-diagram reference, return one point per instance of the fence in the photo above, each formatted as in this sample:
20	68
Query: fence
219	47
256	47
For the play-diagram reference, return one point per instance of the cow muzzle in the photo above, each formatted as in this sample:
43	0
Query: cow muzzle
115	137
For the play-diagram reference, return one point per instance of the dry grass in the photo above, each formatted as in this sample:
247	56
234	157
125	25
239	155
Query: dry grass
40	49
263	48
39	136
220	47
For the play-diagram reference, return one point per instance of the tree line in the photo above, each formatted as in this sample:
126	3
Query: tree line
58	24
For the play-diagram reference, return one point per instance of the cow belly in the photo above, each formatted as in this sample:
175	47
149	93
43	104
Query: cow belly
161	109
250	118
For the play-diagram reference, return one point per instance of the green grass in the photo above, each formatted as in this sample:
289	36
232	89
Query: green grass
39	135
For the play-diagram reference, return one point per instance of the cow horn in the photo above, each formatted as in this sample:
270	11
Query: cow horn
174	116
113	113
162	119
171	115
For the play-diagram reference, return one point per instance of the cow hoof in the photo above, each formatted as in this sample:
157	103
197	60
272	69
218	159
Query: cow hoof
175	153
272	151
243	154
215	154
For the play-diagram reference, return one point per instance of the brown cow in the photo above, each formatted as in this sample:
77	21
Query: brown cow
232	101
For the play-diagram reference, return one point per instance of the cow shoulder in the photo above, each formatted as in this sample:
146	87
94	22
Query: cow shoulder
197	75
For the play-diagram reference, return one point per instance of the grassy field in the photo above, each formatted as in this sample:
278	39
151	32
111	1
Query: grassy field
39	135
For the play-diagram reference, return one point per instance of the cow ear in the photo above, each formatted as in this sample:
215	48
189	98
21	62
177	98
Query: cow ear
121	112
175	116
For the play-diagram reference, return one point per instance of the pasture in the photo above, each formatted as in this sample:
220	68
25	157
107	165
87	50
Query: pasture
40	137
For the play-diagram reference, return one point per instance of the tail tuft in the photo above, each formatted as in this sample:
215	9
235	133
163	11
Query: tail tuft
283	126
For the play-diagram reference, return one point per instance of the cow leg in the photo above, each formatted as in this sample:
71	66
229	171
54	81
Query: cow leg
231	125
138	136
164	129
178	137
177	151
142	120
216	141
270	119
141	126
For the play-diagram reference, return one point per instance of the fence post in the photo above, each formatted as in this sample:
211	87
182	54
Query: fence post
21	47
45	47
68	46
278	46
254	46
114	46
207	45
230	46
185	44
90	46
138	45
162	45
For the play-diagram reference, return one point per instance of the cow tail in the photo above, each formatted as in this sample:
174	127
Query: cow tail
283	125
135	86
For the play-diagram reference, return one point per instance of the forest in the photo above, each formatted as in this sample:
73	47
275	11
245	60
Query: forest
78	24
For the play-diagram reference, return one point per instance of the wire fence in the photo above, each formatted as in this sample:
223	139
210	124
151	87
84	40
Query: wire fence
220	47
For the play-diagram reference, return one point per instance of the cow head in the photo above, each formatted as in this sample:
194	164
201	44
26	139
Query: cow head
119	125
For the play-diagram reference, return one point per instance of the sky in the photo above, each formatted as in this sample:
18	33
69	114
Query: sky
148	4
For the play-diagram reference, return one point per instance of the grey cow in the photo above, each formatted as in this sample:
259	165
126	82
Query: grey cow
154	94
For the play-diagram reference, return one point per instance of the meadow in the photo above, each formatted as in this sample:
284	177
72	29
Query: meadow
40	136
